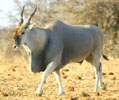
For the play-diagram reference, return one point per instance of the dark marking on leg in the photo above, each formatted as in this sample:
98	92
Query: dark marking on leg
105	57
100	67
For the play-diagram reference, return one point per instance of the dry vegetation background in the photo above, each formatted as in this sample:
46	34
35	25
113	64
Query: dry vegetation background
14	64
102	13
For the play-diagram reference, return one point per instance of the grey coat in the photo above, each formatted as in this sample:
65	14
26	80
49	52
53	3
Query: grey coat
73	43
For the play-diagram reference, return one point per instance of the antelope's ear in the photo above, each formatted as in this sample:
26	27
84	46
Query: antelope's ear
31	26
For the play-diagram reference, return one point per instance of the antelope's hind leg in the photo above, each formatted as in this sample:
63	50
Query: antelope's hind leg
95	61
58	78
100	80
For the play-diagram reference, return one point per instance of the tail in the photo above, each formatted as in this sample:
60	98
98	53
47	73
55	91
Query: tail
105	57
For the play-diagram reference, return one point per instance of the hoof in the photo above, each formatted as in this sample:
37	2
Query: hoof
94	91
103	87
96	94
38	93
61	93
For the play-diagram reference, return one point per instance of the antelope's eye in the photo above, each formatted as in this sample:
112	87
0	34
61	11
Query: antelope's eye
23	33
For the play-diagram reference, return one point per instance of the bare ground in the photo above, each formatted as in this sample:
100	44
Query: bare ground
18	83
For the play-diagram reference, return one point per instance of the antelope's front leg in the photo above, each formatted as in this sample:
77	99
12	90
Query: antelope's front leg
50	68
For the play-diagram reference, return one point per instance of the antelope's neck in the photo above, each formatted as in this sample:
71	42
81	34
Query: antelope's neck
36	39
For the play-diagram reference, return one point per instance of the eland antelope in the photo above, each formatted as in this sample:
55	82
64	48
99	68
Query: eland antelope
53	47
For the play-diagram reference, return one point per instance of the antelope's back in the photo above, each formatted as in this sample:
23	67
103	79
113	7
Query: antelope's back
78	41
